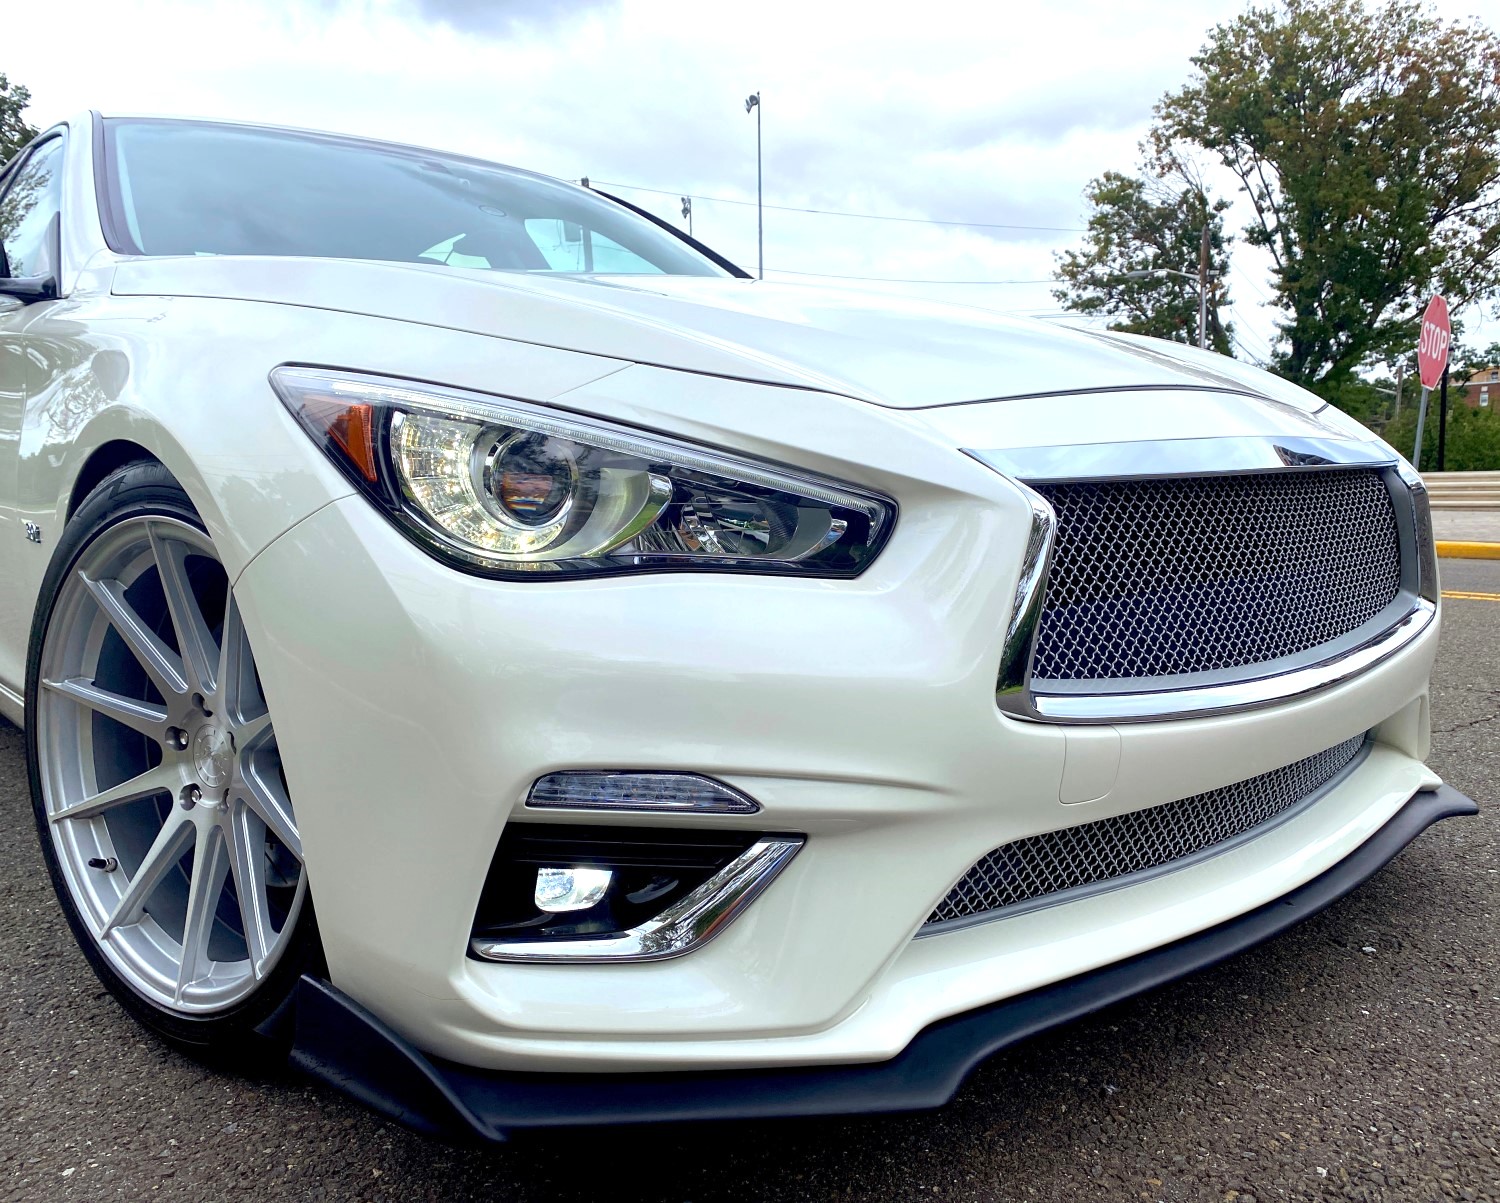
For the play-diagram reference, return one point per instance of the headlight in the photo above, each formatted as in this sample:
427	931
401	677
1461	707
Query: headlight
508	488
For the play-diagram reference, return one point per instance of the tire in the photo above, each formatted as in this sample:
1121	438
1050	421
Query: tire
156	781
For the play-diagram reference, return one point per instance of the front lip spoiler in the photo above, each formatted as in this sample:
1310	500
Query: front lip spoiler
339	1042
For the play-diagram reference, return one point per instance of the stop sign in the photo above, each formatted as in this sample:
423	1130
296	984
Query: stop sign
1432	347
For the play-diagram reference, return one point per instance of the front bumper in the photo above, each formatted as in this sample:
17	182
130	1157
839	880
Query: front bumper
415	706
342	1043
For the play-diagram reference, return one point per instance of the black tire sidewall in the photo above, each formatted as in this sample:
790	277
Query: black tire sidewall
138	490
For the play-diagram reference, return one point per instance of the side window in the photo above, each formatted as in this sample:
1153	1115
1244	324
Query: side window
568	247
27	208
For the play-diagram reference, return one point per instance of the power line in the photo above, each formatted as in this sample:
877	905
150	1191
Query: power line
1258	337
1254	356
1247	278
903	279
927	221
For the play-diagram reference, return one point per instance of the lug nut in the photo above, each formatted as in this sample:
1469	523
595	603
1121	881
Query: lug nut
177	739
190	797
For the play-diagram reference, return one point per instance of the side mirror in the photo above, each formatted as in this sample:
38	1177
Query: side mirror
30	289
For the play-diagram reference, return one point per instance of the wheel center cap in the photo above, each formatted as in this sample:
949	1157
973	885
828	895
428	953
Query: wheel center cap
213	756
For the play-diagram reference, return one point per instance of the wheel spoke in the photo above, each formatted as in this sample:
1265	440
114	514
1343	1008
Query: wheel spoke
162	664
146	717
268	801
247	848
153	781
200	655
251	733
242	700
164	852
210	866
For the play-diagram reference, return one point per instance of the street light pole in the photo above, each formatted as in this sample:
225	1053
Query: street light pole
1202	278
753	102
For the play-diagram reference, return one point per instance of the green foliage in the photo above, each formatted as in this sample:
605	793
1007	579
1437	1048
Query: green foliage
14	132
1137	225
1368	141
1368	401
1473	434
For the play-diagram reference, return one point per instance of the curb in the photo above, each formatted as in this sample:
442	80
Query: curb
1464	550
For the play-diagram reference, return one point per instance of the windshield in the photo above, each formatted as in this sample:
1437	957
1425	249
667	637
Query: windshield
191	188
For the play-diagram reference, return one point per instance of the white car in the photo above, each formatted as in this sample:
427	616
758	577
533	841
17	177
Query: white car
679	695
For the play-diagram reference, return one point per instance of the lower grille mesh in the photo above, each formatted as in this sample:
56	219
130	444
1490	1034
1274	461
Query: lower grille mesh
1094	853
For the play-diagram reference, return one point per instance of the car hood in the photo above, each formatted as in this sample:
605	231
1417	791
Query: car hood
891	351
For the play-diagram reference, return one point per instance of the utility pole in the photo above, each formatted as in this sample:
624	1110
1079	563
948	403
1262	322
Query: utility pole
1203	282
753	102
1400	372
687	213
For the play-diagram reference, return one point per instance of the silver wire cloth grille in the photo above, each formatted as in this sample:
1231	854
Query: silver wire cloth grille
1093	853
1154	578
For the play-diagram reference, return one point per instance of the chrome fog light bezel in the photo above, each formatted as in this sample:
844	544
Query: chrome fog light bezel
681	928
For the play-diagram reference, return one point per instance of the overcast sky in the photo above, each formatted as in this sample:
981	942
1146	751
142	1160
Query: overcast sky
965	112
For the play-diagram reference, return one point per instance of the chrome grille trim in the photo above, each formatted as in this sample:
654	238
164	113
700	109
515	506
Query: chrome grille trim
1024	693
1198	701
1108	854
1184	457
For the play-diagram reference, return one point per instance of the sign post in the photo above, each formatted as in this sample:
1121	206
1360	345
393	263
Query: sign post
1432	359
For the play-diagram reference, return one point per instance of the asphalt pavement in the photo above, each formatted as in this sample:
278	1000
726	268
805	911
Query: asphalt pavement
1355	1057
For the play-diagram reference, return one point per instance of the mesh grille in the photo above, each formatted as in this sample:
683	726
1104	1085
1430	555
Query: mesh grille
1145	839
1154	578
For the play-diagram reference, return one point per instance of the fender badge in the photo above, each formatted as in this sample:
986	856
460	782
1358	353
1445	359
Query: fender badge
33	532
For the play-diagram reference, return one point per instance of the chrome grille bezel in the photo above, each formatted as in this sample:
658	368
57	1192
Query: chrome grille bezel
1054	867
1413	611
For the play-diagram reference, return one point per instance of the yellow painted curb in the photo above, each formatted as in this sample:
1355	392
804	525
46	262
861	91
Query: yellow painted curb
1460	550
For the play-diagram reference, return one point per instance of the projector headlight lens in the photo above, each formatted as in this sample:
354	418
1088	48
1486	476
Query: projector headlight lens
508	488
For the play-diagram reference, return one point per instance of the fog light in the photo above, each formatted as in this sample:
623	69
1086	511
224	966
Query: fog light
559	890
541	872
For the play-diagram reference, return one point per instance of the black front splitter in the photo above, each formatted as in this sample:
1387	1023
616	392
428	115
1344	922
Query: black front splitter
341	1043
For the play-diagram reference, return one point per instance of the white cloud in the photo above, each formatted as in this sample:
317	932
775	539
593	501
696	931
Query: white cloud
967	111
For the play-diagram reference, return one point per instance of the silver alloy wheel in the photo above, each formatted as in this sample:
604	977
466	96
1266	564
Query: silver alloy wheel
161	778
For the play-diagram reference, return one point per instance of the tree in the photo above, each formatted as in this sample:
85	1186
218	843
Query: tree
1138	225
1473	436
1368	142
14	132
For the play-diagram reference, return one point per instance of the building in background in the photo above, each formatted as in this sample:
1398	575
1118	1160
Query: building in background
1482	389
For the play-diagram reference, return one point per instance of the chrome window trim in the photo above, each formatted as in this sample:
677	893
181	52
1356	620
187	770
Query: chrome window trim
684	926
1415	609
